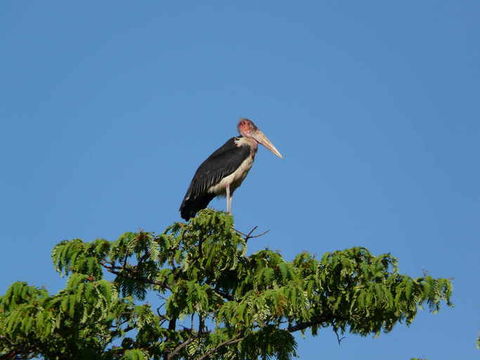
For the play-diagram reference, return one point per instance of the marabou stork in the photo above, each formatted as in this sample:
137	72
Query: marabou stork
225	169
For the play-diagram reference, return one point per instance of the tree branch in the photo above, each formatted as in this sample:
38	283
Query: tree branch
120	271
225	343
224	294
179	348
304	325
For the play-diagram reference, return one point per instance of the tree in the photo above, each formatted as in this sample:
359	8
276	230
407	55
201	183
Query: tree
192	292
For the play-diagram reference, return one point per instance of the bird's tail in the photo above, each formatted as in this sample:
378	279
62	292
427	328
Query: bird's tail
191	205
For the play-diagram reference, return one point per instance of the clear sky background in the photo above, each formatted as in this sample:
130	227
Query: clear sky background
108	107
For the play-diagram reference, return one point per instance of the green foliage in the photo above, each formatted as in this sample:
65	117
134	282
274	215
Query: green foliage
208	299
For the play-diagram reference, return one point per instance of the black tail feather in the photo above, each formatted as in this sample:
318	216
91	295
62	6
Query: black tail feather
190	206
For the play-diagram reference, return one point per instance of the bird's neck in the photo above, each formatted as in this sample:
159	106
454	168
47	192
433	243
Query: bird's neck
247	141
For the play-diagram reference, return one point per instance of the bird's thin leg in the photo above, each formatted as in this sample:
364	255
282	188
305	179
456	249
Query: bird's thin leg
229	200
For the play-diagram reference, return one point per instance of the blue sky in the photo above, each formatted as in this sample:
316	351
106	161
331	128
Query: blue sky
108	107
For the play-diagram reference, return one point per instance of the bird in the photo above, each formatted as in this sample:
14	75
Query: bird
225	169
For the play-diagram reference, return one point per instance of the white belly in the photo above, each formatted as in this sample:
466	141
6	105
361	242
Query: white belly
234	179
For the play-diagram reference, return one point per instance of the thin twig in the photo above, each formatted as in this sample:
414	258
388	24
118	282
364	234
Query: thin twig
339	339
249	235
246	235
259	235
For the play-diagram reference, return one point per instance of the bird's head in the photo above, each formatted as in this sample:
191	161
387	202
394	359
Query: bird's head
248	129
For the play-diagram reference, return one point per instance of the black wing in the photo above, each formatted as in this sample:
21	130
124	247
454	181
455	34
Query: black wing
224	161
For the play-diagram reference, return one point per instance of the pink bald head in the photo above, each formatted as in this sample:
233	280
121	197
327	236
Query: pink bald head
246	127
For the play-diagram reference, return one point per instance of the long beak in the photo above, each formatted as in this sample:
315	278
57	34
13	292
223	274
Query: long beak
262	139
